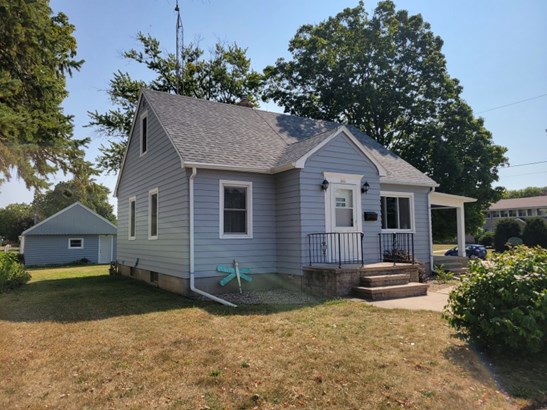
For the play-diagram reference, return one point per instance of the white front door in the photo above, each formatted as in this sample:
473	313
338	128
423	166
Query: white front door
105	248
343	215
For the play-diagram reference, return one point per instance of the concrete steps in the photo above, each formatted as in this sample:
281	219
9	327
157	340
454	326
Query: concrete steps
384	280
391	292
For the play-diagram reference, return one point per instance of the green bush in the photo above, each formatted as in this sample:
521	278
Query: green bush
487	239
502	304
12	272
505	229
535	232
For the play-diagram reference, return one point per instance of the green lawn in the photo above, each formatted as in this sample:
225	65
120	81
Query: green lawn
78	338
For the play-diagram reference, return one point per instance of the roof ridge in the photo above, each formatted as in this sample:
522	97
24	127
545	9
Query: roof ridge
285	140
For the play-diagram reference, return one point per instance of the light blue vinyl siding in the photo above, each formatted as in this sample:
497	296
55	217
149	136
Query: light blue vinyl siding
257	253
159	168
341	156
422	247
53	249
288	222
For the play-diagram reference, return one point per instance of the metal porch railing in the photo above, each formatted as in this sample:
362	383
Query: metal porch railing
397	247
336	248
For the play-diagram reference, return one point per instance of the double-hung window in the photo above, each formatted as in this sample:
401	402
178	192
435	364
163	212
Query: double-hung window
153	214
397	211
132	234
235	198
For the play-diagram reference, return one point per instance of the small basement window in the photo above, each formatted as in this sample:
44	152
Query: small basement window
75	243
154	277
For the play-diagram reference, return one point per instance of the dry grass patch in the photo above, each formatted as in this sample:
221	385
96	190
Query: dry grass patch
77	338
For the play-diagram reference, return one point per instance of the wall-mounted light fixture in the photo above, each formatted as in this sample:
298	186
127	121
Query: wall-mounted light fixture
365	187
325	185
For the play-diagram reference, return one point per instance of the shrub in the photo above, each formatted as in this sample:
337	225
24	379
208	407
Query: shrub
487	239
505	229
535	232
12	272
442	275
502	304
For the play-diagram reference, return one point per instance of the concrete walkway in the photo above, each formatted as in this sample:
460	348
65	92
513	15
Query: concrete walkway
435	300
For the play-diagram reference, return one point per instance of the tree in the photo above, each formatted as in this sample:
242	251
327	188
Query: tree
89	193
226	76
535	232
505	228
14	219
525	193
37	51
387	75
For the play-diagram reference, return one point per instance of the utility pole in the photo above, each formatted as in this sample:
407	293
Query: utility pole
180	50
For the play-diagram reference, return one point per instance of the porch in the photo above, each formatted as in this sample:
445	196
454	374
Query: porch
336	267
375	281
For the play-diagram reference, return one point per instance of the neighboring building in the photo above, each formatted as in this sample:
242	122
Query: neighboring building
204	183
70	235
518	208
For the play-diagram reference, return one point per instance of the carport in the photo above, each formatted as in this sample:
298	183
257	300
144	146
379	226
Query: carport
438	200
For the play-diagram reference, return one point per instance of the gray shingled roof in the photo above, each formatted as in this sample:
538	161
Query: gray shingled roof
75	219
515	203
223	134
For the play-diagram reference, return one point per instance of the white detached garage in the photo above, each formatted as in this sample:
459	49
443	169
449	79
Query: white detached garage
70	235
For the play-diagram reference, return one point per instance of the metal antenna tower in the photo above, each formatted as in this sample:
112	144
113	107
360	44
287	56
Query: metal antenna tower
180	49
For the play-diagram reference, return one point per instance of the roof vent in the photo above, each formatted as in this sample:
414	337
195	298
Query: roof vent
244	102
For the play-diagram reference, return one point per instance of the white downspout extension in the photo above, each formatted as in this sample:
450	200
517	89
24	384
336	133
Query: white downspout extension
192	275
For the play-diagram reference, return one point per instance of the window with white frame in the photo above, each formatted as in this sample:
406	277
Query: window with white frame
75	243
132	218
397	211
153	214
522	212
236	209
144	133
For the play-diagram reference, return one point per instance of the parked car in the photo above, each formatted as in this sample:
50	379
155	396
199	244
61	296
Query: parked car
471	251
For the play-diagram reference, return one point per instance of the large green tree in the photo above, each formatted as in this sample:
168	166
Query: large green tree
14	219
525	192
89	193
224	76
37	52
387	75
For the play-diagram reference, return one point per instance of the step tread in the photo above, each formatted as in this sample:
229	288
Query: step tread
411	285
411	289
388	276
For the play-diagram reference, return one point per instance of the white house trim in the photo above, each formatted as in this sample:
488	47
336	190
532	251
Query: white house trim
142	117
398	194
150	193
249	208
348	180
131	200
76	247
439	200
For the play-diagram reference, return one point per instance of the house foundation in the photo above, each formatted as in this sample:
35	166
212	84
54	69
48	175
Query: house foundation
331	281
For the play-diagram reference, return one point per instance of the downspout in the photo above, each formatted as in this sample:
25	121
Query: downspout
192	275
430	229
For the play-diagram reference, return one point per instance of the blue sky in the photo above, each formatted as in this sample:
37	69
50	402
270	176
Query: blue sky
496	48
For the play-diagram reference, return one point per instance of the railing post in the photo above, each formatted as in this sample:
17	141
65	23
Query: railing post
362	249
339	251
309	247
412	239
